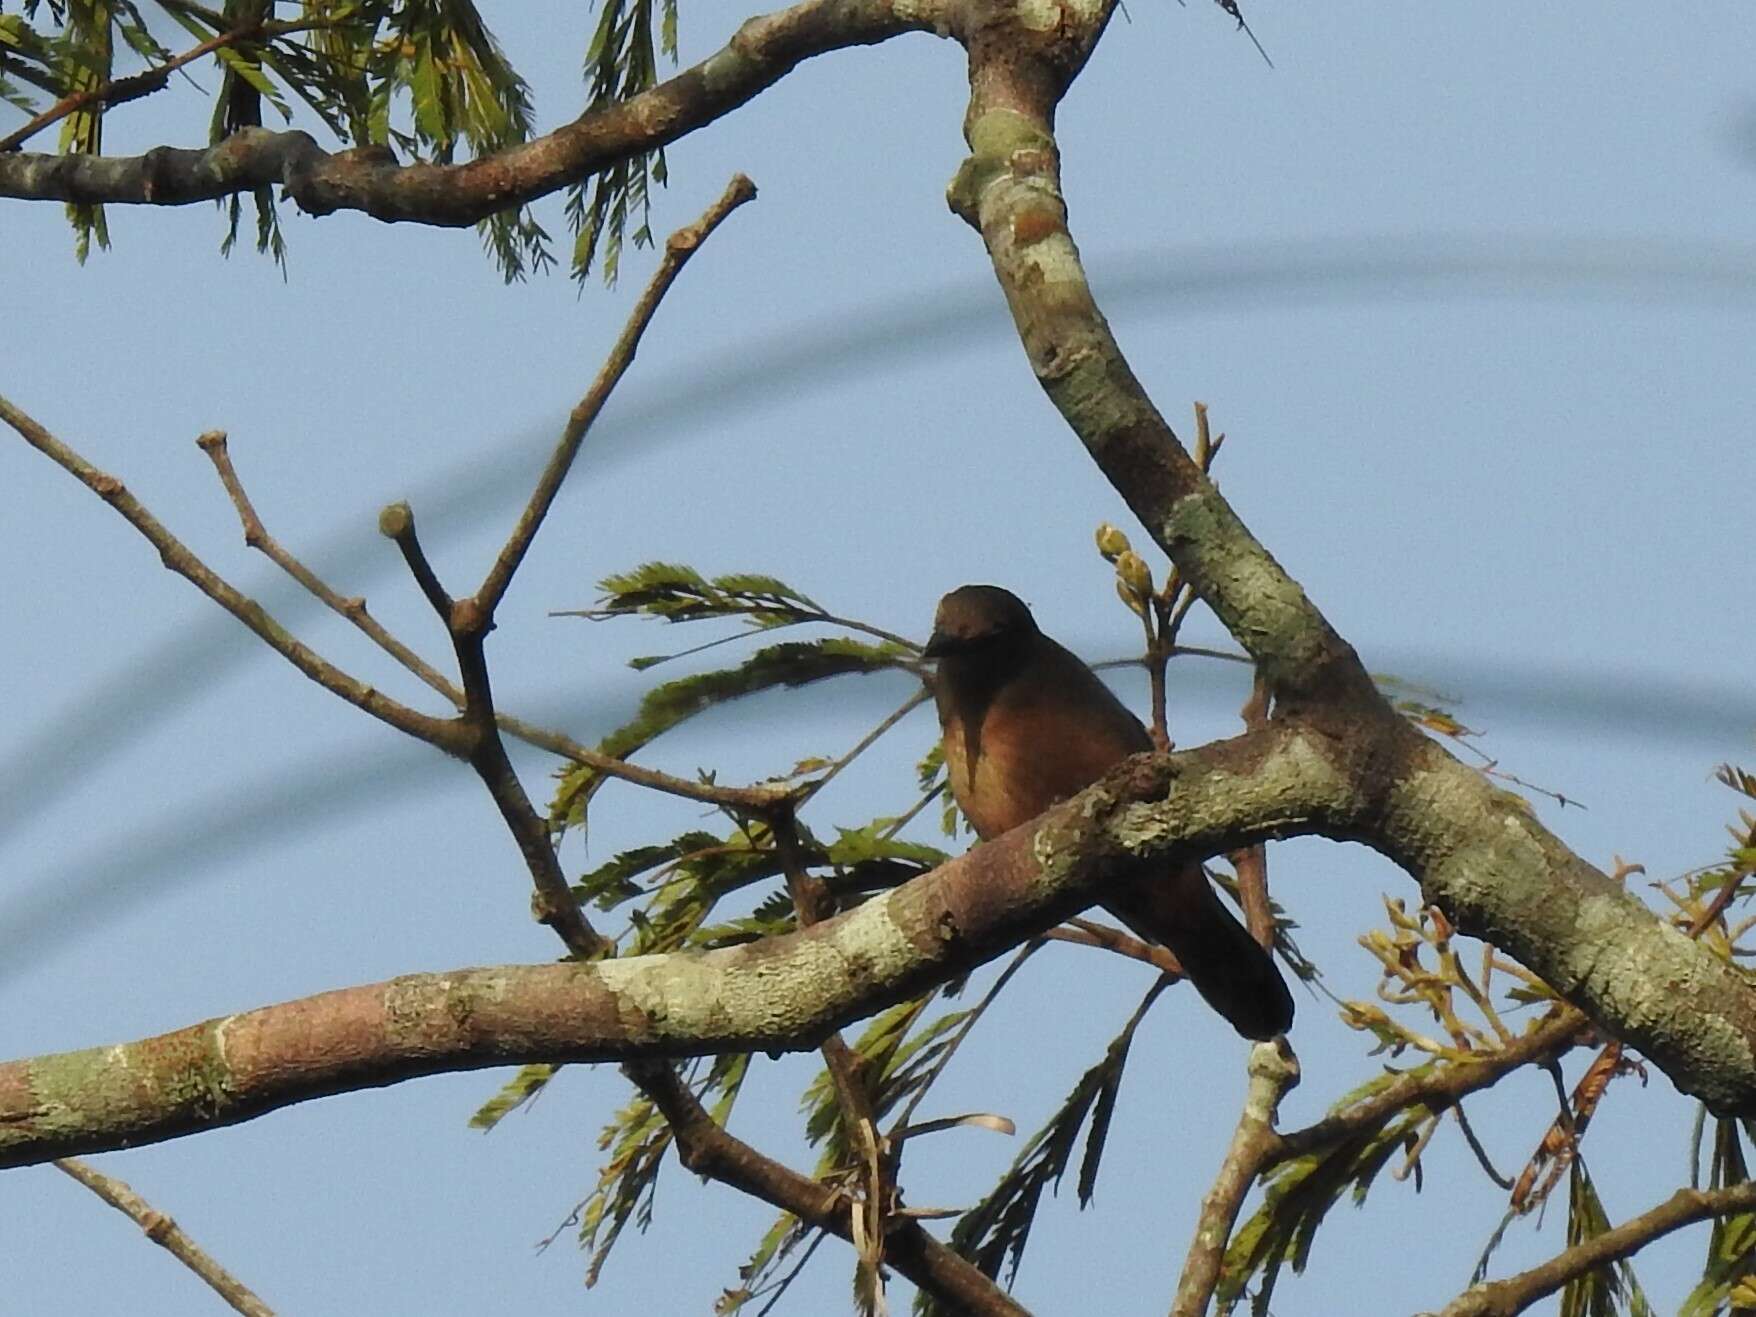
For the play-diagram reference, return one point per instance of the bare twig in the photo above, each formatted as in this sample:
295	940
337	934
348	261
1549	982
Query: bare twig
1274	1071
869	1215
706	1149
1437	1088
397	523
177	556
553	903
256	536
1251	863
469	620
1087	933
353	608
166	1233
1505	1298
1475	1146
678	249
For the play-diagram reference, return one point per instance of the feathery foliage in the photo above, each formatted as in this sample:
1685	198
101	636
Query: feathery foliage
1729	1274
1610	1291
621	61
425	77
994	1233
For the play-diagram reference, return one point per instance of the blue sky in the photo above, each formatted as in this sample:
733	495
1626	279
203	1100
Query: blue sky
1472	291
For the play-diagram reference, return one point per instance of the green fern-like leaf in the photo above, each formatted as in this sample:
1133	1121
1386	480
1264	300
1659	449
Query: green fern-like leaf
994	1233
521	1088
677	592
636	1139
1300	1192
1731	1245
791	664
621	62
1608	1291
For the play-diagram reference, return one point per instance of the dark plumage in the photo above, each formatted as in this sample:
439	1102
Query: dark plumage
1027	724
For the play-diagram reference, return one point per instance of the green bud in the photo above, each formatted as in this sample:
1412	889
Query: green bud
1132	571
1111	542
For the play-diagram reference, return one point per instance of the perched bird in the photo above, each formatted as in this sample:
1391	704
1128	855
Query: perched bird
1026	724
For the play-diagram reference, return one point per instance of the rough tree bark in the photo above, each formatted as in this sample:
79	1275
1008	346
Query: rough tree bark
1334	759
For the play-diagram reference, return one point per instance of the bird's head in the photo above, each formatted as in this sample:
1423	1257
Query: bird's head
977	619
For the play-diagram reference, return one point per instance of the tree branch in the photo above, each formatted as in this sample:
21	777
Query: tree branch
368	178
678	249
170	1236
1505	1298
1478	853
1010	191
119	91
176	555
1436	1089
1274	1072
782	993
708	1150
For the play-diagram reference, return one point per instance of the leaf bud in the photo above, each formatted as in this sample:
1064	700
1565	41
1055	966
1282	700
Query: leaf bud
1111	542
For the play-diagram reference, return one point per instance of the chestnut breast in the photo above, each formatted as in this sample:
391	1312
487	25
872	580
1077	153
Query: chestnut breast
1046	731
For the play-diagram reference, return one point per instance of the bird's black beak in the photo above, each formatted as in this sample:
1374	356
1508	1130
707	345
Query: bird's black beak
939	645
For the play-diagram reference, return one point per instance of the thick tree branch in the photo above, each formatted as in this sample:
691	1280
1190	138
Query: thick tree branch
783	993
1478	853
787	993
1010	190
1506	1298
764	50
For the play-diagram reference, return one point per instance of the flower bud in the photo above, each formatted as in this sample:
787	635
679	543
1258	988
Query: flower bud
1111	542
1132	571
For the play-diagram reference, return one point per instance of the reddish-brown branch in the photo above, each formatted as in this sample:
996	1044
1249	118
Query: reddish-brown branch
1251	863
1088	933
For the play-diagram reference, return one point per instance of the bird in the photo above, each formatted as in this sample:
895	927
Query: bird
1025	723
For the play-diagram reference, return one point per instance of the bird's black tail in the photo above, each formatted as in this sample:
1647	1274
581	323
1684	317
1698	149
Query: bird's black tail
1230	970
